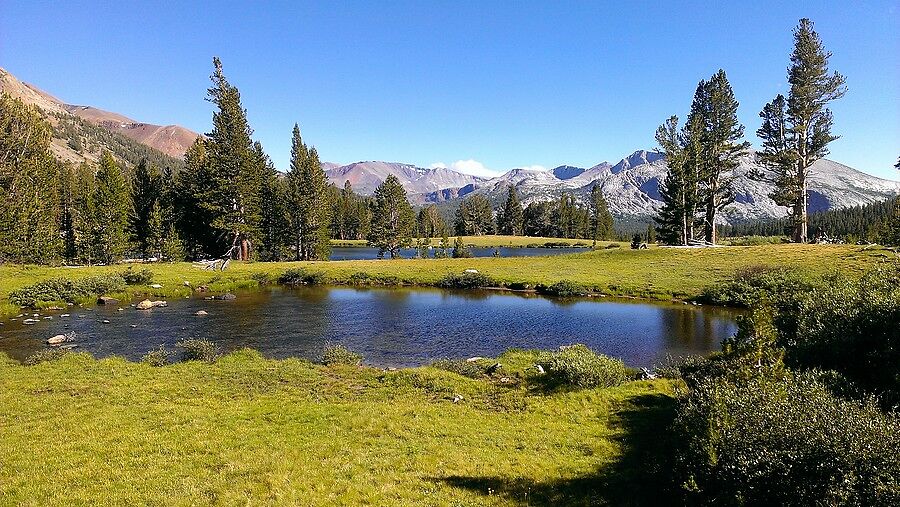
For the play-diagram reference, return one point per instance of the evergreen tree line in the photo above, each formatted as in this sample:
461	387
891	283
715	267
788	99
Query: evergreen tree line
872	223
702	154
564	217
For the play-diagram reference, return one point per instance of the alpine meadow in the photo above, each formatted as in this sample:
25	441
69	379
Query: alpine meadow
232	318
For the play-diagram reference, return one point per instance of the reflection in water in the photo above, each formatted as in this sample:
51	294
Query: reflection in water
368	253
390	327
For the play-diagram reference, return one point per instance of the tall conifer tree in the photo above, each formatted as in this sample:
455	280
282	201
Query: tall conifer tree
393	219
234	171
510	219
796	131
111	204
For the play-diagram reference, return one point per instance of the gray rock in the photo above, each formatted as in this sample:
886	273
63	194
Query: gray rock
106	300
201	313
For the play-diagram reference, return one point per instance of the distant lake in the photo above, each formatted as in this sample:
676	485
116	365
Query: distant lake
366	253
390	327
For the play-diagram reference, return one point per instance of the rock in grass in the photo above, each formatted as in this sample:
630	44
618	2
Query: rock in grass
492	368
474	359
106	300
155	286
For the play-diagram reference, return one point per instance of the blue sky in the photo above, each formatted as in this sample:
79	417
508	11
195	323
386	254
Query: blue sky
486	85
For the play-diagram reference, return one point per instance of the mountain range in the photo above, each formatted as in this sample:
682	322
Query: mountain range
171	140
631	186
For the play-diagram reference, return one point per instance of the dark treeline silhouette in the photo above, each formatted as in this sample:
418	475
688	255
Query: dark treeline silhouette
869	223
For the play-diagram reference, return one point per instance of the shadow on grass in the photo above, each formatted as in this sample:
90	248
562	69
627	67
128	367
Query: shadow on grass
638	477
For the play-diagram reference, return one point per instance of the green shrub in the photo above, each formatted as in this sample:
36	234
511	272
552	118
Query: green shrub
579	366
462	367
612	246
132	277
63	289
852	326
519	286
199	350
338	354
752	284
262	278
45	355
300	276
466	281
562	288
784	440
359	278
157	357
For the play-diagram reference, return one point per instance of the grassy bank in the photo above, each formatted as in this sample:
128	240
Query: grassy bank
657	273
246	430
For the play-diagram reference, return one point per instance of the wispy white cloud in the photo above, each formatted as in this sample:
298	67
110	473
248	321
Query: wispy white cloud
469	166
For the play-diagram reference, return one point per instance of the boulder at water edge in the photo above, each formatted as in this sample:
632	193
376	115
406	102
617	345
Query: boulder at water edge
106	300
147	304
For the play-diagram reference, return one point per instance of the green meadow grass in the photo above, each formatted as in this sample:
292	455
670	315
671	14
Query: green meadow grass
247	430
655	273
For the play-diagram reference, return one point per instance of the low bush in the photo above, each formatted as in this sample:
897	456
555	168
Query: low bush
562	288
360	278
338	354
612	246
784	440
262	278
462	367
579	366
134	277
157	357
519	286
300	276
750	285
63	289
199	350
466	281
45	355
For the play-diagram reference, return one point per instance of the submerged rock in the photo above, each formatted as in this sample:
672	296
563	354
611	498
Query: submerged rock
147	304
29	322
201	313
55	340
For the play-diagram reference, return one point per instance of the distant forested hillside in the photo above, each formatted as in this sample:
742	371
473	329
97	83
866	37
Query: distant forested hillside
858	223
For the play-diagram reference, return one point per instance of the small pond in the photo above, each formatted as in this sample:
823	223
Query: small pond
390	327
366	253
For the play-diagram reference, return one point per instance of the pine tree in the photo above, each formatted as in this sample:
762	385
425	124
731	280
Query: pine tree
722	148
309	209
474	217
679	189
537	220
29	214
796	132
273	213
430	222
234	172
601	218
84	220
193	220
510	219
145	193
393	219
111	205
651	233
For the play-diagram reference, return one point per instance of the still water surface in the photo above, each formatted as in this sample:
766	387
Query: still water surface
390	327
368	253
